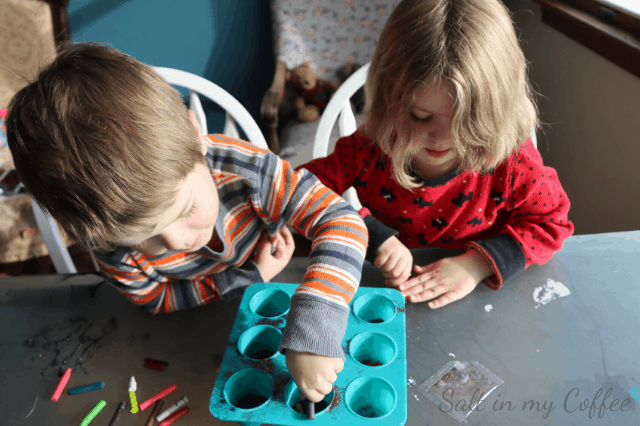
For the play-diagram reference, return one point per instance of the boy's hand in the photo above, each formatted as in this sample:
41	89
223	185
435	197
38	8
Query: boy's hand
270	264
395	261
448	279
314	374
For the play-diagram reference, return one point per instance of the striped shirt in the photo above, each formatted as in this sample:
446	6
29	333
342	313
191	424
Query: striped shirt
258	192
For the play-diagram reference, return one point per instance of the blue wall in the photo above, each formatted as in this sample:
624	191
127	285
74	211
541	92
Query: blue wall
226	41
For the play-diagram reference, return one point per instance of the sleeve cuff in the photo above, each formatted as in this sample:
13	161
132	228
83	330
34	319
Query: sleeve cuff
232	282
503	254
378	234
314	326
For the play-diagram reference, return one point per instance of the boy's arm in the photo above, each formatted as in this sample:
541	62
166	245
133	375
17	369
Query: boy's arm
538	224
137	278
319	309
340	170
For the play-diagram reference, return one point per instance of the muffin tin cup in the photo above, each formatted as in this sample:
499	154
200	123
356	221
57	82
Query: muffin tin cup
254	386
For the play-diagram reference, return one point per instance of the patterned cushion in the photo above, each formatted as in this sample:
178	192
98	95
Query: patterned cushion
26	44
329	33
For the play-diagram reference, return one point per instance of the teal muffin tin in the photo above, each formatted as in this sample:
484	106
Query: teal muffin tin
254	386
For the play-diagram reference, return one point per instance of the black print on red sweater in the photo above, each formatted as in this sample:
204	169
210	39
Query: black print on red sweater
405	220
439	223
475	221
359	184
447	240
387	193
380	164
422	203
462	198
421	239
497	197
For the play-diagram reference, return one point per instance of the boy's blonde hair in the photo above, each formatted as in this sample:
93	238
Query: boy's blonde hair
102	143
470	44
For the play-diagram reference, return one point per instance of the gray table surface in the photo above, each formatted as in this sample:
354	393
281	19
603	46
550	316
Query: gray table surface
560	353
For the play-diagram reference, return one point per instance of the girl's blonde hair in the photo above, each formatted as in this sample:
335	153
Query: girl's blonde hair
470	44
101	142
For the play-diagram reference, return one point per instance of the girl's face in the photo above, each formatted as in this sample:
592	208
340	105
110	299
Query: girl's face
431	117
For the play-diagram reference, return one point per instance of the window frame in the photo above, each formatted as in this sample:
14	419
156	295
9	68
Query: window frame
606	29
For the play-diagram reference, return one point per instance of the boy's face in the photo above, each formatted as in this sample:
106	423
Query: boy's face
188	225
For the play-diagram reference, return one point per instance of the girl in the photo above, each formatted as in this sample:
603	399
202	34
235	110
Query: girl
444	157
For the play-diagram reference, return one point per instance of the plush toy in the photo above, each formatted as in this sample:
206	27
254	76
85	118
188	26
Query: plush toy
312	93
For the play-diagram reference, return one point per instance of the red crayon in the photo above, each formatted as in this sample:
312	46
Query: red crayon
61	385
175	416
154	366
156	361
161	395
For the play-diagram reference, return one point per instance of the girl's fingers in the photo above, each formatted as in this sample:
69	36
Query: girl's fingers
427	294
412	282
443	300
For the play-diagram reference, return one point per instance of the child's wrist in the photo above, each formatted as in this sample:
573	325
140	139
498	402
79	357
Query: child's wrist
477	265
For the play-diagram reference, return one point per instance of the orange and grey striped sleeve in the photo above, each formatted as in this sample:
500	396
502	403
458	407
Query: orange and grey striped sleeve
319	308
153	284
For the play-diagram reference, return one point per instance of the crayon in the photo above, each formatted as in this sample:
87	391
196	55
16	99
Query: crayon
156	409
169	411
156	361
175	416
86	388
93	413
154	366
161	395
133	386
116	416
61	385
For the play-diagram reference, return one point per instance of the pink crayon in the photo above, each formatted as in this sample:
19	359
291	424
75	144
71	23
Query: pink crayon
161	395
61	385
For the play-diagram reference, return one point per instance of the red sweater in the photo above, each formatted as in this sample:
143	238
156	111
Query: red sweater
514	215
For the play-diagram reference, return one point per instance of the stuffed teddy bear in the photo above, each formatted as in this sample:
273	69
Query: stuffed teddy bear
312	93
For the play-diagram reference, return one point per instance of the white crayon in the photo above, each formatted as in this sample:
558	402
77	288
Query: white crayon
169	411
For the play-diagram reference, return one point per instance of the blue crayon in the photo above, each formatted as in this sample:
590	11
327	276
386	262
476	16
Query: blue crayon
86	388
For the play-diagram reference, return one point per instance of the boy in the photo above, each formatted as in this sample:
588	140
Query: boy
105	145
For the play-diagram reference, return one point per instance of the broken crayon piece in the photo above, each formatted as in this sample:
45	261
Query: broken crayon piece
175	416
169	411
133	386
63	382
86	388
161	395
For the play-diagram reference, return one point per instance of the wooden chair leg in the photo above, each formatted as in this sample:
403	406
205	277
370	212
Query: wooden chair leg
272	137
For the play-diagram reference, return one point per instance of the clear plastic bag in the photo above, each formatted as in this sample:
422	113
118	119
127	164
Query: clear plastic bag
459	386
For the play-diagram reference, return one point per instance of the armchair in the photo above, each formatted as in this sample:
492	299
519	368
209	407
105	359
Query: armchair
328	33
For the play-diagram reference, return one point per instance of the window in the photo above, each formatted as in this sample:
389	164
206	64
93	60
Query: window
632	6
624	14
610	28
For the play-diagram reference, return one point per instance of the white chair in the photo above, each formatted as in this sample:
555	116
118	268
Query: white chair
235	113
340	107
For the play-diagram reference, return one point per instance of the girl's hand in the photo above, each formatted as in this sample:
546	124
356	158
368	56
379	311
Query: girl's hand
448	279
269	264
314	374
395	261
